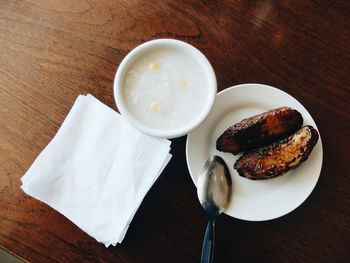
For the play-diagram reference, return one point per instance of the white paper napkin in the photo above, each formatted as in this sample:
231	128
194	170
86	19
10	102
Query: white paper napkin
97	170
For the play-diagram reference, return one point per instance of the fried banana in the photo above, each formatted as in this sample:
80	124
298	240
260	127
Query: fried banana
278	158
259	130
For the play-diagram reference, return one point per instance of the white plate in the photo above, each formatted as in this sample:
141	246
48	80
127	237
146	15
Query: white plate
254	200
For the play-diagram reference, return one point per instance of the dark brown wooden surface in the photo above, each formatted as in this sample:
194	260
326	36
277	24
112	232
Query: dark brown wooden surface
51	51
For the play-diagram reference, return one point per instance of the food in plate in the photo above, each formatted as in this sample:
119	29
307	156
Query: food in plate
279	157
259	130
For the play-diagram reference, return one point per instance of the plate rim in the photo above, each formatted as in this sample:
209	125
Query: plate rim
229	89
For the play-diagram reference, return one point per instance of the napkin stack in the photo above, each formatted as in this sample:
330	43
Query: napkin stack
97	170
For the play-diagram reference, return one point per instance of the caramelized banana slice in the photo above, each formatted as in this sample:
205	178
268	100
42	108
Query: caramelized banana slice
278	158
259	130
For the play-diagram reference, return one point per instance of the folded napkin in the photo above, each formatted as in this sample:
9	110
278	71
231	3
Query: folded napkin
97	170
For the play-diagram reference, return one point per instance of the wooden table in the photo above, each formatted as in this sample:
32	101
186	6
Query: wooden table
52	51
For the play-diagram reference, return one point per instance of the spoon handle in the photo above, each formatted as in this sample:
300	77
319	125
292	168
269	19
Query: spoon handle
208	242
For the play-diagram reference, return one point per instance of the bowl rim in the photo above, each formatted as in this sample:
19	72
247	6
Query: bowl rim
151	45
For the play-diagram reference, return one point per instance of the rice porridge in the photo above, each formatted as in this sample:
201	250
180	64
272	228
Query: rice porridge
165	88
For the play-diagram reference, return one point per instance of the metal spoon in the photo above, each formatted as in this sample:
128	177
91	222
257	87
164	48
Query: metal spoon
214	189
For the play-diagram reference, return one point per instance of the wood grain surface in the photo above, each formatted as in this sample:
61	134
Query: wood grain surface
51	51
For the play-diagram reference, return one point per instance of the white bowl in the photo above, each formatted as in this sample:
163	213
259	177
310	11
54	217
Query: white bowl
187	51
